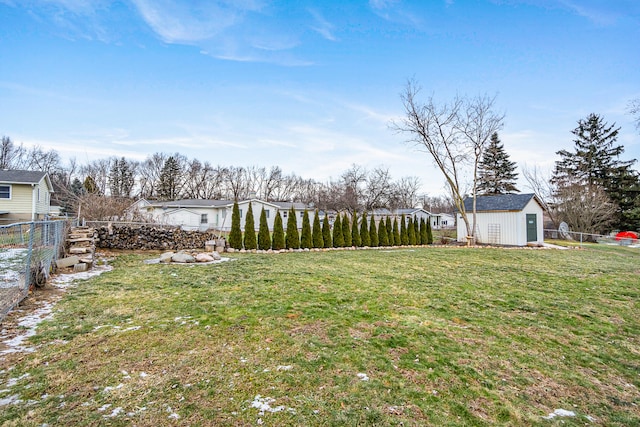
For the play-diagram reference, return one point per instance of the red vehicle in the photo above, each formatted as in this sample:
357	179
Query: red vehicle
627	235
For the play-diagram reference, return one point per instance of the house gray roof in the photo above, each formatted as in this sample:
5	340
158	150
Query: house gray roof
191	203
21	177
500	202
287	205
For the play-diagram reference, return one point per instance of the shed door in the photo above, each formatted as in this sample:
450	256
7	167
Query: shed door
532	228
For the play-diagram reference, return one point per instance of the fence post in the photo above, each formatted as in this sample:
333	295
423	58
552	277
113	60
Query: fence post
27	276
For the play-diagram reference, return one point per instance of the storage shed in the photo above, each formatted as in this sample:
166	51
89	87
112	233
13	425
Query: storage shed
505	219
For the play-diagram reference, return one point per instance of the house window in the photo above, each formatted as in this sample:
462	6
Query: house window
204	219
5	191
284	214
266	213
301	214
38	194
240	213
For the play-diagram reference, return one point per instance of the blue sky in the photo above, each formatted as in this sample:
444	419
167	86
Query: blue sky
309	86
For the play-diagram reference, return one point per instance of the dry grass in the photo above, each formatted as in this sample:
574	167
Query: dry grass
425	337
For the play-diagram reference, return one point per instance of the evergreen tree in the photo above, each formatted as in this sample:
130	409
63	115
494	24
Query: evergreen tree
496	173
90	185
121	178
235	236
278	233
397	241
383	236
411	233
364	231
346	231
250	230
264	236
424	240
404	236
416	229
338	238
293	237
355	233
373	233
389	231
429	233
595	163
326	231
317	231
305	236
170	179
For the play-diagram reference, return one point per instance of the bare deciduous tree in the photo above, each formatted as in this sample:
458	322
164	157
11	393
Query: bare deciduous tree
585	208
540	183
454	135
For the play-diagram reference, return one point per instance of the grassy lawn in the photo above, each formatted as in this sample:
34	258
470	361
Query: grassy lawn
431	336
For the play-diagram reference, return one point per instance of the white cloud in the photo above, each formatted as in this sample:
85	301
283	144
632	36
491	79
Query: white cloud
322	26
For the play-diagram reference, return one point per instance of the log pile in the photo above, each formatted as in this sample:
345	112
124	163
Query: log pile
149	237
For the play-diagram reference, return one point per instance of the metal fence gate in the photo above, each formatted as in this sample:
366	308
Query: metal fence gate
27	253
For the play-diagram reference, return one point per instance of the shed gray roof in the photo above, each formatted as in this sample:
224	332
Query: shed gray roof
21	177
500	202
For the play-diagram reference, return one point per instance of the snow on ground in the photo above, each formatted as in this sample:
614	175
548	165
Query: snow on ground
31	320
12	263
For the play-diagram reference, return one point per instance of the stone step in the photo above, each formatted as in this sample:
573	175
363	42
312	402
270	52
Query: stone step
82	239
78	251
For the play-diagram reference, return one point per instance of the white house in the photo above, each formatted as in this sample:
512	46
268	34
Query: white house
24	195
446	221
418	213
506	219
195	214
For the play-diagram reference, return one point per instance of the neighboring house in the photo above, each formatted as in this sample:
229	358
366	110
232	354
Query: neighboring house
418	213
446	221
24	195
203	215
506	219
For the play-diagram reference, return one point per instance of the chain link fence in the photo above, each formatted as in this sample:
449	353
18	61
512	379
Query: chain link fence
578	237
28	252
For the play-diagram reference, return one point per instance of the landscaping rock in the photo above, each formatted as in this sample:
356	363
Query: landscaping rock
183	258
166	257
67	262
202	257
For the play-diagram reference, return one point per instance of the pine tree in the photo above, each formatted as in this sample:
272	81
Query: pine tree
364	231
235	236
397	240
595	163
264	236
496	173
355	233
346	231
411	233
429	233
250	230
317	231
383	236
404	236
170	179
326	232
305	236
373	233
293	237
416	229
389	231
278	233
338	238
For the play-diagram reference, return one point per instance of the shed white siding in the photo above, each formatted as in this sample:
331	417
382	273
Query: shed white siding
504	228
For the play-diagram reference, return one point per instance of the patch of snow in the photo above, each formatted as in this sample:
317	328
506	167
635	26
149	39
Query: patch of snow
13	381
109	388
560	413
117	411
45	312
143	375
104	407
263	404
10	400
363	376
284	368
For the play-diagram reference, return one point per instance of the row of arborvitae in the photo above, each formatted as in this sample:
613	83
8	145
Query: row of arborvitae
348	231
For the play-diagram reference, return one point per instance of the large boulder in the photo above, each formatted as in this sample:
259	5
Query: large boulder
202	257
166	257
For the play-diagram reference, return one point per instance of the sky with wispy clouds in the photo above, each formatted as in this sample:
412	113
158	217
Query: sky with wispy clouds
307	85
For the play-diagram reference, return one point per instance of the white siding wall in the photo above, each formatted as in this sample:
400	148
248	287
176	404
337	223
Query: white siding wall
503	228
